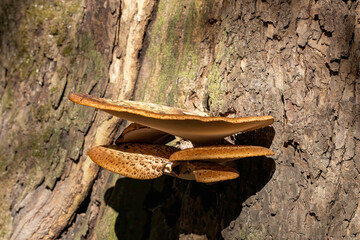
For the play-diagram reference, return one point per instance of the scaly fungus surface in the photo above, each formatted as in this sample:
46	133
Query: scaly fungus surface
141	153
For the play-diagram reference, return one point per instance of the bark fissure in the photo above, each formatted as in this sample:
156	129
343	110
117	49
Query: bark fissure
295	60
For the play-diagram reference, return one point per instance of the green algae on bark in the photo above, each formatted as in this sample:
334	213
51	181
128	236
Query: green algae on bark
173	53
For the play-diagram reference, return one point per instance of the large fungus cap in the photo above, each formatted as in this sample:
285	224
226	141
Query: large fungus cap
219	153
140	161
188	125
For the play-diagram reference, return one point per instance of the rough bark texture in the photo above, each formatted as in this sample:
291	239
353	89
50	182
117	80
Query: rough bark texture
295	60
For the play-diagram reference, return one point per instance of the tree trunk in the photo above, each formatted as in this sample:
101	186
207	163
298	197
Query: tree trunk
295	60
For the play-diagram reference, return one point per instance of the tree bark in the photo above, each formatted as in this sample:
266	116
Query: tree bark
295	60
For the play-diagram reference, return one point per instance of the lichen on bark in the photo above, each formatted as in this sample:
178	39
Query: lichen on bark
294	60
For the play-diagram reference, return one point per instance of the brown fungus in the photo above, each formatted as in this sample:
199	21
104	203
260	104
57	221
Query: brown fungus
188	125
134	157
149	161
139	161
206	172
219	153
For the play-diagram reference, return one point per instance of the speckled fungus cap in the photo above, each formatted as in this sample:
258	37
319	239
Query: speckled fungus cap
139	161
149	161
188	125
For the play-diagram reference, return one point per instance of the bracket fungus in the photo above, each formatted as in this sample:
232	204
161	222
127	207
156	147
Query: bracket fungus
141	152
149	161
199	129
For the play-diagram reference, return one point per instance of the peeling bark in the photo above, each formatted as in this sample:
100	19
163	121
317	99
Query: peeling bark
295	60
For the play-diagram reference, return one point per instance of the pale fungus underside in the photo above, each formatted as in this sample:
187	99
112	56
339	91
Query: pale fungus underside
140	152
137	133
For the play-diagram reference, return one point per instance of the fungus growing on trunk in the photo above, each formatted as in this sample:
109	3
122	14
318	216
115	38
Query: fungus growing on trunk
199	129
141	153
